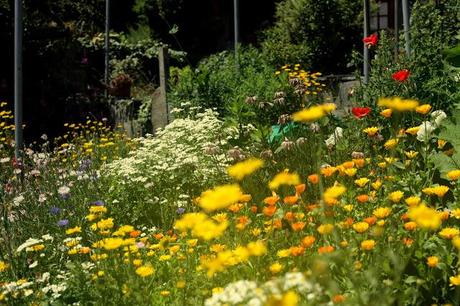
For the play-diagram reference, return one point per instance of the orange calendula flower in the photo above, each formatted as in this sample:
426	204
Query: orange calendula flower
291	200
423	109
410	226
313	178
299	189
370	220
296	250
328	171
432	261
298	226
362	198
308	241
326	249
269	211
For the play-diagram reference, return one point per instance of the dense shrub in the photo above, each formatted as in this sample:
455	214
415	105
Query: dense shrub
319	34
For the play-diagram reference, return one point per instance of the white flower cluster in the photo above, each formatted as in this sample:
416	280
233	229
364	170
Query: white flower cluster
176	157
428	127
249	293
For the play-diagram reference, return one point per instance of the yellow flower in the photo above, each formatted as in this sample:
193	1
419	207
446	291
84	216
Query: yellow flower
276	268
455	213
283	253
453	175
76	229
334	191
165	293
432	261
425	217
284	178
220	197
423	109
386	113
112	243
3	266
145	271
382	212
377	184
371	131
362	181
390	143
325	229
440	191
413	130
360	227
454	280
242	169
398	104
411	154
449	232
395	196
412	201
97	209
257	248
367	245
456	242
310	114
441	143
351	171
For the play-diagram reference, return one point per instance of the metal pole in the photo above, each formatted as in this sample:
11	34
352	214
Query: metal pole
396	26
236	21
107	46
18	32
405	10
366	64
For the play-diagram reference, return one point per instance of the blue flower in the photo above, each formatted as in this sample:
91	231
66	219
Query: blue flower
55	210
180	210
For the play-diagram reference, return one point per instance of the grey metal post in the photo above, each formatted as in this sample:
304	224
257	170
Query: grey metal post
164	78
18	32
405	10
236	21
366	64
396	26
107	46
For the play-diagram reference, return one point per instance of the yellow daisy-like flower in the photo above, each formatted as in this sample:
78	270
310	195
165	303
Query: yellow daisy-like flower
455	213
413	201
220	197
386	113
368	245
439	191
313	113
398	104
413	130
411	154
454	280
382	212
284	178
244	168
325	229
425	217
276	268
361	227
145	271
453	175
371	131
361	182
456	242
449	232
390	143
423	109
396	196
73	230
432	261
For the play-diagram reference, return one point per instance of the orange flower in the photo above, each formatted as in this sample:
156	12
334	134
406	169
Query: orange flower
235	207
289	216
299	189
328	171
410	226
271	200
243	220
278	224
313	178
245	198
298	226
254	209
408	241
269	211
312	207
134	234
359	163
348	164
331	201
291	200
370	220
326	249
336	299
308	241
362	198
405	217
158	236
349	221
297	250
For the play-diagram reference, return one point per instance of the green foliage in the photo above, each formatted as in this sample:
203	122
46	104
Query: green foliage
318	34
429	81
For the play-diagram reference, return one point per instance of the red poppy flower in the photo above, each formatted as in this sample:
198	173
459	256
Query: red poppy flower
360	112
371	40
401	75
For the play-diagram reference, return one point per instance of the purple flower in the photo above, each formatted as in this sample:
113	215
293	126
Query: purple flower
63	223
55	210
180	210
98	203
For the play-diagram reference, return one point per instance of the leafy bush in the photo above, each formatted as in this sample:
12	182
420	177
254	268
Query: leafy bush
429	81
318	34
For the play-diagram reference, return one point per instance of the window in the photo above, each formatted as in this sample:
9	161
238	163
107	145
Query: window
380	18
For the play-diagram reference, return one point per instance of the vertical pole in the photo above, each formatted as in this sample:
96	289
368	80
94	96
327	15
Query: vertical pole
405	10
107	46
164	78
396	26
18	32
236	21
366	64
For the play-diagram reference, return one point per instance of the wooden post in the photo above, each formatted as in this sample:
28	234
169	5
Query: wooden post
405	10
160	109
396	26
